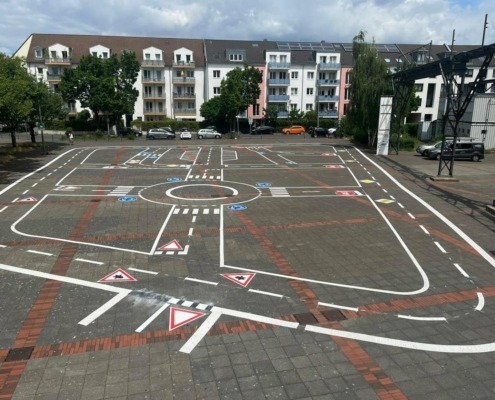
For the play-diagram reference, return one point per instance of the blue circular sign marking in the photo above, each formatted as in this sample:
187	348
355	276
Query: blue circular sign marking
127	198
174	179
237	207
263	184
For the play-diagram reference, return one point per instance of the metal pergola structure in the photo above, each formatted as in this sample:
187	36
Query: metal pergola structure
453	67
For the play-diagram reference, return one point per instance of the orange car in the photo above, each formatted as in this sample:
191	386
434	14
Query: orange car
294	130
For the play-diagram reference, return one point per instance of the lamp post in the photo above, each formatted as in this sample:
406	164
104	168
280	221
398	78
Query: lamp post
40	126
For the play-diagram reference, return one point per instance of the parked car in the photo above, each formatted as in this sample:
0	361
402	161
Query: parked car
464	150
159	133
316	132
263	130
209	134
424	148
166	128
126	130
294	130
185	134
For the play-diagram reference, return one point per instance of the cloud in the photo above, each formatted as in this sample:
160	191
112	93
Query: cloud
387	21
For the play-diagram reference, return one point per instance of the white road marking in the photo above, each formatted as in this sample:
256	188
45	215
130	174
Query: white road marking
256	317
400	205
40	252
200	281
17	198
481	302
459	268
201	332
421	318
206	211
3	209
195	211
160	232
152	318
412	216
104	308
424	229
266	293
143	271
183	252
193	219
216	211
89	261
190	232
2	245
34	184
356	309
25	191
440	247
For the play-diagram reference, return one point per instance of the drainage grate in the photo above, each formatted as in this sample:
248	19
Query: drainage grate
19	354
95	200
333	315
305	319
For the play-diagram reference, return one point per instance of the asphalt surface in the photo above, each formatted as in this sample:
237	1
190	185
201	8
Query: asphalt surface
266	267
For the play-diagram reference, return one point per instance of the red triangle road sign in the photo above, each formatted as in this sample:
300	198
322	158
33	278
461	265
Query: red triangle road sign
243	279
28	200
118	275
173	245
179	317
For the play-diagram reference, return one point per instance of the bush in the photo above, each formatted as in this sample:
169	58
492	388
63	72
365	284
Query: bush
405	143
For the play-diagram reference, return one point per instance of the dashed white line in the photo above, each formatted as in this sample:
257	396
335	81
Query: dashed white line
153	317
2	246
201	281
481	302
143	271
17	198
34	184
421	318
193	219
400	205
190	232
412	216
356	309
3	209
459	268
440	247
89	261
266	293
40	252
424	229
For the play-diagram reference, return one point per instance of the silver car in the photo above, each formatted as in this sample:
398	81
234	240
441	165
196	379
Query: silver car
159	133
209	134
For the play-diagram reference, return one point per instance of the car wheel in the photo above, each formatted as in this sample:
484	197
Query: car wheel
152	137
327	135
475	157
217	136
437	157
200	136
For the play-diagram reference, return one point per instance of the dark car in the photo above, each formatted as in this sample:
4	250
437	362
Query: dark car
159	133
263	130
316	132
464	150
126	130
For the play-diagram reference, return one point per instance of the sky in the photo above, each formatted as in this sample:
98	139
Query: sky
384	21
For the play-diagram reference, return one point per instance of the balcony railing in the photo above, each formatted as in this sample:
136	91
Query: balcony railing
279	65
151	96
328	82
153	63
278	97
185	111
150	79
282	114
184	96
329	66
53	77
183	79
154	111
283	82
179	64
58	60
328	113
326	98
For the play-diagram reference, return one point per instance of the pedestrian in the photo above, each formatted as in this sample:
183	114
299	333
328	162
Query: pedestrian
71	138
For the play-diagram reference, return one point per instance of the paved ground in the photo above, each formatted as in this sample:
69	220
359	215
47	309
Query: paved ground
274	267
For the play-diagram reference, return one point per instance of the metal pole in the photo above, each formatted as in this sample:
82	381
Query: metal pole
484	30
41	128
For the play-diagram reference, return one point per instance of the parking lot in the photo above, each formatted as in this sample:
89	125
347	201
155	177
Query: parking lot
252	268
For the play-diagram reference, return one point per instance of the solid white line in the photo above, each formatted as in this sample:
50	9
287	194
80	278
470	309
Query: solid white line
59	183
421	318
424	229
356	309
221	234
158	237
152	318
40	252
143	271
200	281
89	261
481	302
256	317
267	293
104	308
461	270
3	209
440	247
201	332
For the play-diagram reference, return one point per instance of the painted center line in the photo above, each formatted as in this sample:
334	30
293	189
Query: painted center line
440	247
89	261
459	268
266	293
356	309
40	252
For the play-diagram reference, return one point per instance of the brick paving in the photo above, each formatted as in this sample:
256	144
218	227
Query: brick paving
52	356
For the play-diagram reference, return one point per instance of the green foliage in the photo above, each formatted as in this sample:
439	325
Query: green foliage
405	142
83	115
212	111
295	115
271	115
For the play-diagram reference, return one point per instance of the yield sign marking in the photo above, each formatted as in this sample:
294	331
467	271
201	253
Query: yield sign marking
179	317
173	245
118	275
241	279
27	200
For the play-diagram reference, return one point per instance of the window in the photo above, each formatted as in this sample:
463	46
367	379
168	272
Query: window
148	106
283	59
216	90
469	72
309	107
147	91
323	59
65	54
188	58
348	77
272	75
293	91
430	96
38	53
283	75
256	109
294	75
190	74
216	73
428	117
146	74
273	58
235	57
418	87
177	58
309	91
147	56
311	75
105	54
158	56
347	95
293	107
332	60
94	53
160	106
322	76
40	70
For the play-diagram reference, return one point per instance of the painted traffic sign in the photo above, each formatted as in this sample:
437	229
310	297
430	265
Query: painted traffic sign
174	179
127	198
118	275
179	317
334	166
243	279
173	245
263	184
237	207
27	200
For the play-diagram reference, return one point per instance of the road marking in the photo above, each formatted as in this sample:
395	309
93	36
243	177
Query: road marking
267	293
193	219
481	302
421	318
17	198
2	245
190	232
200	281
355	309
440	247
34	184
461	270
424	229
400	205
152	318
104	308
40	252
201	332
412	216
143	271
160	232
89	261
195	211
3	209
186	249
256	317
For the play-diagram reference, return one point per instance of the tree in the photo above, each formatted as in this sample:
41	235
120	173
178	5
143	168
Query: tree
310	118
103	84
16	103
212	111
369	81
271	115
295	115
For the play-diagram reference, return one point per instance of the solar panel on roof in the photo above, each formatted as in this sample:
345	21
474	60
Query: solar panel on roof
346	46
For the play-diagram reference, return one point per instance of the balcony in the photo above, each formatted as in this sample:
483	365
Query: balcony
328	66
279	82
183	80
153	63
51	77
327	98
278	65
149	111
150	79
154	96
57	61
278	97
184	96
328	82
184	64
283	114
184	111
328	114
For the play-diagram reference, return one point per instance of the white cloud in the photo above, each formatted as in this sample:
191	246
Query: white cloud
387	21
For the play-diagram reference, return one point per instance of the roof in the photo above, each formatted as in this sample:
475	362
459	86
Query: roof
254	50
